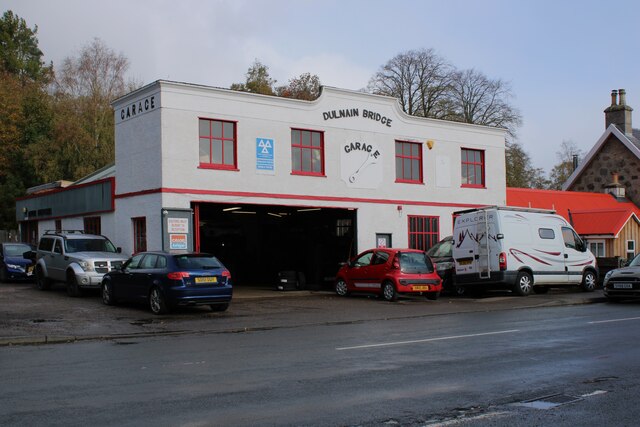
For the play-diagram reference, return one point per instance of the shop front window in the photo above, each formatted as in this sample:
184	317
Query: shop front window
139	234
424	232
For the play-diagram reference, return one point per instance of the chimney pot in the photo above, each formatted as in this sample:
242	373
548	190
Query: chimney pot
623	97
614	97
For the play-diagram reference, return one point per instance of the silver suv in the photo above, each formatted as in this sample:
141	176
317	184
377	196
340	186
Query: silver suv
75	258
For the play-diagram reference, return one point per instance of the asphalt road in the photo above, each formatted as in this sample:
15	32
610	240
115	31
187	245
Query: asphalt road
31	316
419	365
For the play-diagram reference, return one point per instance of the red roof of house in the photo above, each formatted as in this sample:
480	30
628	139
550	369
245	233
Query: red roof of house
591	213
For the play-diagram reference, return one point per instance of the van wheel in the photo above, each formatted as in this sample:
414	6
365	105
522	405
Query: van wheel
389	292
524	284
589	281
41	281
459	290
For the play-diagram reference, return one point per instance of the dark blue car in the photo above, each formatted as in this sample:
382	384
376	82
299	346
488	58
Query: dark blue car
168	280
13	266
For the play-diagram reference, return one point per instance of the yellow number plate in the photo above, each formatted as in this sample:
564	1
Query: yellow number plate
207	279
465	262
421	288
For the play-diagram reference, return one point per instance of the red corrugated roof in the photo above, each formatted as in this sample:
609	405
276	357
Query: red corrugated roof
592	213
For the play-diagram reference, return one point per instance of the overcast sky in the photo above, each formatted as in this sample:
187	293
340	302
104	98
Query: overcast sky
561	58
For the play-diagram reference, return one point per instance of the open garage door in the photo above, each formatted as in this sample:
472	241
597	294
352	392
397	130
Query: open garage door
257	241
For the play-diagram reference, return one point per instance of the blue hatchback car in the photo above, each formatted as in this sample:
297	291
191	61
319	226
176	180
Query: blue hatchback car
166	280
13	265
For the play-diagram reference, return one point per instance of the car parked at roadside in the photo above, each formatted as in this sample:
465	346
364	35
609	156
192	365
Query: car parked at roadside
13	264
166	280
442	254
75	258
389	272
623	283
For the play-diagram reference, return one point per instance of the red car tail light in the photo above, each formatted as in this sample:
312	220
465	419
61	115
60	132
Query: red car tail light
227	274
502	261
177	275
396	263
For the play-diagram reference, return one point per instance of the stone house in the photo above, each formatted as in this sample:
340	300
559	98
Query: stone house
614	161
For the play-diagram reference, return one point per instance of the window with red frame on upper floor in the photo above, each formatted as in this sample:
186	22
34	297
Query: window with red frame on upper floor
408	162
307	152
472	168
218	144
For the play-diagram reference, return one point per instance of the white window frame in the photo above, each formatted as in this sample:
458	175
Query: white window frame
598	243
631	248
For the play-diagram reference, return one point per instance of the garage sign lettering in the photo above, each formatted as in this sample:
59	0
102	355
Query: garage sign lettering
355	112
138	107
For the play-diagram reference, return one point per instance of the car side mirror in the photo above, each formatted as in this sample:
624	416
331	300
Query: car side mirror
119	250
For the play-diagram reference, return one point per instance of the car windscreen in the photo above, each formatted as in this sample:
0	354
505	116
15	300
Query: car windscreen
415	262
89	245
16	250
442	249
197	262
635	262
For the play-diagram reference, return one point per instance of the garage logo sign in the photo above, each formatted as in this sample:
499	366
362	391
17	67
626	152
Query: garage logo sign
361	164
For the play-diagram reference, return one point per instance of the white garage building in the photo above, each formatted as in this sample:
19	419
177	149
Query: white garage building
271	184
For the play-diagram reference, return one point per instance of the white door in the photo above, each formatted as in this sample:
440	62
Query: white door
575	255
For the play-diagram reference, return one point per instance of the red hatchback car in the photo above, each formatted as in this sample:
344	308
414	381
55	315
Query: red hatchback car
390	272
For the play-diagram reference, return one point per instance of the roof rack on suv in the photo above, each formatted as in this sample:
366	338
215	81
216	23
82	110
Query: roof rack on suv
64	232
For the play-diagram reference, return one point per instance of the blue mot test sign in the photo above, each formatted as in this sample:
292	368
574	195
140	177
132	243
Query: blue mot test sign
264	156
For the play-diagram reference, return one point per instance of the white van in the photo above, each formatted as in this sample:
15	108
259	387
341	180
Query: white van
519	249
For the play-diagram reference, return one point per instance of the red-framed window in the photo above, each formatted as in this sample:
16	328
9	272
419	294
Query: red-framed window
424	231
218	144
472	166
139	234
92	225
307	152
408	162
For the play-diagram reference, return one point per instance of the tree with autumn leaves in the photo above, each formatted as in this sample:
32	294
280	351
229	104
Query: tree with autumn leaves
54	125
26	118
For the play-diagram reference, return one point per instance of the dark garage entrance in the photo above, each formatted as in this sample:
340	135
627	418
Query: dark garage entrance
257	241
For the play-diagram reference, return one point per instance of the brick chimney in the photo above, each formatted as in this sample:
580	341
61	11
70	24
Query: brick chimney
619	113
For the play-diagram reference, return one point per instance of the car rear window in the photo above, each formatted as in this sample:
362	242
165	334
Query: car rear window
415	262
198	262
